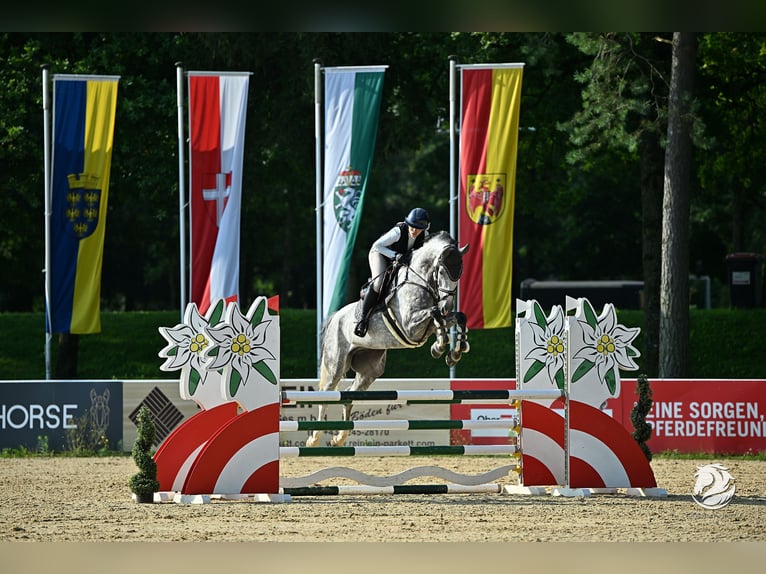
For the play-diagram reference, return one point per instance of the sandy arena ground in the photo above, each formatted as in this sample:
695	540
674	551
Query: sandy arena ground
88	499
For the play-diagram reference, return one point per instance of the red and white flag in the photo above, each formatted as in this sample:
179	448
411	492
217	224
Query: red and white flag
217	112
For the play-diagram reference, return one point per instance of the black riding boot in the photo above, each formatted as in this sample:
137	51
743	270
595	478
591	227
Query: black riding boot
370	298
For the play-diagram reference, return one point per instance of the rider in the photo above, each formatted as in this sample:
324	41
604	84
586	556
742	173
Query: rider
392	245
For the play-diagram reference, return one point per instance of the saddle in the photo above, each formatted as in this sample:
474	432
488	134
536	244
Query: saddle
387	289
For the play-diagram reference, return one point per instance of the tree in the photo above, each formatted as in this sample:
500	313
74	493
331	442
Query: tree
728	213
674	291
624	108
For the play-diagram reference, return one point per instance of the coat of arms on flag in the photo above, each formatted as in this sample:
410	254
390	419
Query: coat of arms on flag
348	190
484	200
83	203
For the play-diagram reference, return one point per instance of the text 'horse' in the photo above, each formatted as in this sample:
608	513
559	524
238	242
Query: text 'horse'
421	303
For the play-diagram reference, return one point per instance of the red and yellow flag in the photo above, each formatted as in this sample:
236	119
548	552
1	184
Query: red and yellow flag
490	102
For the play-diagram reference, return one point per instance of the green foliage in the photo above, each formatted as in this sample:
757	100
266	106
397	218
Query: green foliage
83	439
642	429
145	480
586	97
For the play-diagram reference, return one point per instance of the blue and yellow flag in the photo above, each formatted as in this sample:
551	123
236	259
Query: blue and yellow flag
83	130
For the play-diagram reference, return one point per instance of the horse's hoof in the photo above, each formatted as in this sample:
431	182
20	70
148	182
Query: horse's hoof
339	440
311	441
452	358
436	352
465	347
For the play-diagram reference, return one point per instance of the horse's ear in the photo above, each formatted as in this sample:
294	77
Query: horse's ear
463	250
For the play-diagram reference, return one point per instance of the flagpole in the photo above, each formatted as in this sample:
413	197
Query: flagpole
181	185
454	231
47	188
319	169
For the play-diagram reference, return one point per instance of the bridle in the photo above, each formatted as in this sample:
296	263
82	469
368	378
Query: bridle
438	293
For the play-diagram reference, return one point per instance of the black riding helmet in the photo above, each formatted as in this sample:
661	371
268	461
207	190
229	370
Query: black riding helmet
418	218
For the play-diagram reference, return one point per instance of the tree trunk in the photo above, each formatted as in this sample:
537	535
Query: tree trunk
674	288
66	364
651	256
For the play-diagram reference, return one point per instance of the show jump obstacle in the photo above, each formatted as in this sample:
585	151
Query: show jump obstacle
567	366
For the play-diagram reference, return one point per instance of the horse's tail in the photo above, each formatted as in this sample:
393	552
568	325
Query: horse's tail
323	331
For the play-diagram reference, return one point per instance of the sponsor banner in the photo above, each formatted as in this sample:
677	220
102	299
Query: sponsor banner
477	411
371	411
721	416
60	415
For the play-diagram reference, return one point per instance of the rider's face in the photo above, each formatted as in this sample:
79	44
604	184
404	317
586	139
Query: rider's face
414	231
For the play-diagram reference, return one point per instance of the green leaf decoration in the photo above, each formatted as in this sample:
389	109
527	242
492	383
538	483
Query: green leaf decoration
215	316
611	382
582	370
259	311
539	315
590	315
172	352
559	377
265	371
631	351
194	379
536	367
213	352
234	381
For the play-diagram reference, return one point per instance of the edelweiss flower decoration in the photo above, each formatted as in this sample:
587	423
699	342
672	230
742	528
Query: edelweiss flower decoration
607	346
239	343
549	350
188	343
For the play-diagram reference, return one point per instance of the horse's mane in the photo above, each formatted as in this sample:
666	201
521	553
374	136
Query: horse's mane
442	236
434	244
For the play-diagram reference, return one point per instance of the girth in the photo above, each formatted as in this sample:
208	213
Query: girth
396	330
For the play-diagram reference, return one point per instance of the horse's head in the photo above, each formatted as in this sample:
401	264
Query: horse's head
442	261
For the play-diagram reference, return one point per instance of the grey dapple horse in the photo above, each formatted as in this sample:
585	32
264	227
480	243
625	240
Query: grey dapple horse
420	303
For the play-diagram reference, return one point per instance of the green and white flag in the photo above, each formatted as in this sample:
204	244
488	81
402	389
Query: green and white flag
351	112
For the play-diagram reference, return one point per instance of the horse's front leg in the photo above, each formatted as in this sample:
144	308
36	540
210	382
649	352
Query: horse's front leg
442	335
460	345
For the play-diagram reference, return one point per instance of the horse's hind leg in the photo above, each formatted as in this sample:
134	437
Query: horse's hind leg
339	438
368	365
327	382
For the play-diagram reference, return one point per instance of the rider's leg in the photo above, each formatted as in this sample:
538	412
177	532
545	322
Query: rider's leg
378	264
370	298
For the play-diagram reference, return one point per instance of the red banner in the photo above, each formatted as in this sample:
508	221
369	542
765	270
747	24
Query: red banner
717	416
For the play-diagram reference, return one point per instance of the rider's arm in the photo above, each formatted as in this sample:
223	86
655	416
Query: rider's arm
390	237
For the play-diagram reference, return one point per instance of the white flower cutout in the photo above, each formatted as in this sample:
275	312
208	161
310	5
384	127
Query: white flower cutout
240	344
188	343
549	351
607	346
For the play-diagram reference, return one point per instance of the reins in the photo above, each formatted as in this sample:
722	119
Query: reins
426	285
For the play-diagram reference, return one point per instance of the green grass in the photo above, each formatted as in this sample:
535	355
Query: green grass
723	344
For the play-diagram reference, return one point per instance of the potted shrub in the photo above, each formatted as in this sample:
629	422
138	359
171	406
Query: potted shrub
144	483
